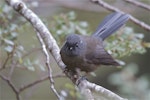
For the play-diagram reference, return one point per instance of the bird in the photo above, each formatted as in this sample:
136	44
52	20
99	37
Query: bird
87	53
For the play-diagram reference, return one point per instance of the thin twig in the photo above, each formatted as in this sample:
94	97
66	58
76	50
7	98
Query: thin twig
5	62
23	56
139	4
48	65
111	8
39	81
9	55
27	54
12	67
11	85
14	64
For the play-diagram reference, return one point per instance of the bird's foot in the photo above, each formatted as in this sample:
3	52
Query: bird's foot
81	78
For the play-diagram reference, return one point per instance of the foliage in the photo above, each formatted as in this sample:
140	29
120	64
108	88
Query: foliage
131	86
9	32
127	41
11	26
8	29
70	92
65	24
122	43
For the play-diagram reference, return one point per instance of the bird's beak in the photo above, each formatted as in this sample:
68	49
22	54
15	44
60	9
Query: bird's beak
70	48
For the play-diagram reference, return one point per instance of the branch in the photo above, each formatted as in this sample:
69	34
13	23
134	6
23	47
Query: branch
50	42
38	81
102	90
111	8
9	55
48	65
5	62
18	91
48	39
85	90
11	85
139	4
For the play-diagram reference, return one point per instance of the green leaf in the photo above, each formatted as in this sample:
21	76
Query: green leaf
9	42
125	42
71	15
146	44
20	60
69	86
31	68
9	49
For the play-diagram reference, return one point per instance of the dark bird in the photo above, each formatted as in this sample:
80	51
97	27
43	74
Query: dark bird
86	53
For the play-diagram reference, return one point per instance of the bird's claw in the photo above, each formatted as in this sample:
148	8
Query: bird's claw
81	78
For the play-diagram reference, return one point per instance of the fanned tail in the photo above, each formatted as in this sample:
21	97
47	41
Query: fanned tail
110	24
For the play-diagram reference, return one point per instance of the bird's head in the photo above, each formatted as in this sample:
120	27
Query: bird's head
73	45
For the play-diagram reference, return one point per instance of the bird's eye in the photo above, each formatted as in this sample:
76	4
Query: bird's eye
76	45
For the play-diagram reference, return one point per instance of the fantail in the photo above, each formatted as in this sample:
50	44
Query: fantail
87	52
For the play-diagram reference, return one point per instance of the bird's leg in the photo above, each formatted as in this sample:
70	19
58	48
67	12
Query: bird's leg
80	77
76	73
73	73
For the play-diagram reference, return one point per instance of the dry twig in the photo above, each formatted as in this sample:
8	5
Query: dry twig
133	19
11	85
48	65
139	4
23	87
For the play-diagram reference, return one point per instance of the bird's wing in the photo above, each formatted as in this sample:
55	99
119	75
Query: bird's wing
100	57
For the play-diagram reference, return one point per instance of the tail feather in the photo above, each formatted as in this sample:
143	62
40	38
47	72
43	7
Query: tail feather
111	24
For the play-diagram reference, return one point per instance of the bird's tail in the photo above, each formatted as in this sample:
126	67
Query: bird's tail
110	24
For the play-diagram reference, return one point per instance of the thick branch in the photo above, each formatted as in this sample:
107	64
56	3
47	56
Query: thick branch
50	42
107	93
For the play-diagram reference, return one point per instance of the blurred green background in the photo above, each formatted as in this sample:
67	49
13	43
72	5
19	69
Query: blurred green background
130	81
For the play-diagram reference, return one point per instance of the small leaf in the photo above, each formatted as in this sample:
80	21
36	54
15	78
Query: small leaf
121	63
35	4
64	93
9	49
72	93
6	9
14	34
41	67
13	27
146	44
93	74
9	42
83	24
20	47
69	86
140	36
72	15
31	68
20	60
